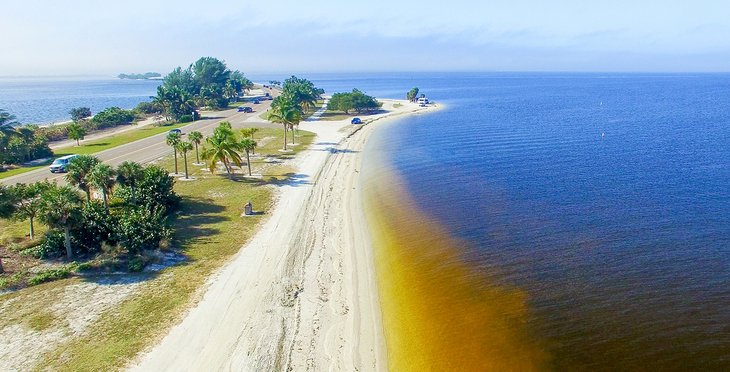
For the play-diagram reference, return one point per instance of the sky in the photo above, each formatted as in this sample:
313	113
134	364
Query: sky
50	37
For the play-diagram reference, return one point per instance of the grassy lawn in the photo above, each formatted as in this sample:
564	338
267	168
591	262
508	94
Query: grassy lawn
101	144
208	230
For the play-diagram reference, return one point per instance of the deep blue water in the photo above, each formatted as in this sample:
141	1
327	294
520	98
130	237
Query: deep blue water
48	100
606	197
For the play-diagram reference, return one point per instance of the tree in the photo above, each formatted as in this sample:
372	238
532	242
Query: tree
61	208
184	147
129	174
7	208
112	117
173	140
196	138
7	201
78	170
153	190
341	102
80	113
286	112
7	123
76	132
142	229
28	202
222	146
248	145
103	178
412	94
249	133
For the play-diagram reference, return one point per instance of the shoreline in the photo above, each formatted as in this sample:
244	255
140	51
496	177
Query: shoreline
303	292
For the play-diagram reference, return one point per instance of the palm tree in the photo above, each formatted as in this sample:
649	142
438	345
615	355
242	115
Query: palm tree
129	174
172	140
223	147
78	170
196	138
248	145
76	132
284	111
7	123
60	208
184	147
28	201
103	178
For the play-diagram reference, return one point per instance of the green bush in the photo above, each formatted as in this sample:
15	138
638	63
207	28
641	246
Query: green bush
186	118
51	247
136	265
50	275
112	116
142	229
96	226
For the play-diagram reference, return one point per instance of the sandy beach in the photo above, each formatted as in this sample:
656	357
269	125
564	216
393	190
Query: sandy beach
302	294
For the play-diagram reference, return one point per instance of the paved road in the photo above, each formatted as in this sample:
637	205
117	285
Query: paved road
150	148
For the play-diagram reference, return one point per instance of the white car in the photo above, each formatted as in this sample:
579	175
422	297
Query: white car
60	164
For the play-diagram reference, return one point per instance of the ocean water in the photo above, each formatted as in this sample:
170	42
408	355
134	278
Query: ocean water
48	100
601	202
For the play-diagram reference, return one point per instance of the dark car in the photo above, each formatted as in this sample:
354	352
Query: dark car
176	130
356	121
256	101
245	109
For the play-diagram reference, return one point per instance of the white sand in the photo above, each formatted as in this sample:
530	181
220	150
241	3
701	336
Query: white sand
302	294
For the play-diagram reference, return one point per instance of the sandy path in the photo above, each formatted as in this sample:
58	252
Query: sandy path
302	294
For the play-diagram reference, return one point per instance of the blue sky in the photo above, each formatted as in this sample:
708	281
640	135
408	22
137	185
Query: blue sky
43	37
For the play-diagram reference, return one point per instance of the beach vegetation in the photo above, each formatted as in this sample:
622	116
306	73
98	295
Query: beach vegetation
25	202
206	83
78	172
285	111
184	147
103	178
61	209
222	147
80	113
248	145
355	100
76	132
412	95
196	138
173	139
20	144
111	117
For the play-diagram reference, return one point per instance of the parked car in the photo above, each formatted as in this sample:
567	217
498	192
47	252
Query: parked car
245	109
256	101
176	130
60	164
356	121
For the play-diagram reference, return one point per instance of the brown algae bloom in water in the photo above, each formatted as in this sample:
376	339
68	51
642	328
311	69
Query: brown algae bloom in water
439	314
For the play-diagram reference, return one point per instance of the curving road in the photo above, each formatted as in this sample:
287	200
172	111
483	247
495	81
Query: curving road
150	148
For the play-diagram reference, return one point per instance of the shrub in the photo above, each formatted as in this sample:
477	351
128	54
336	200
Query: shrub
136	264
186	118
112	116
154	189
50	275
142	229
96	226
148	108
51	247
